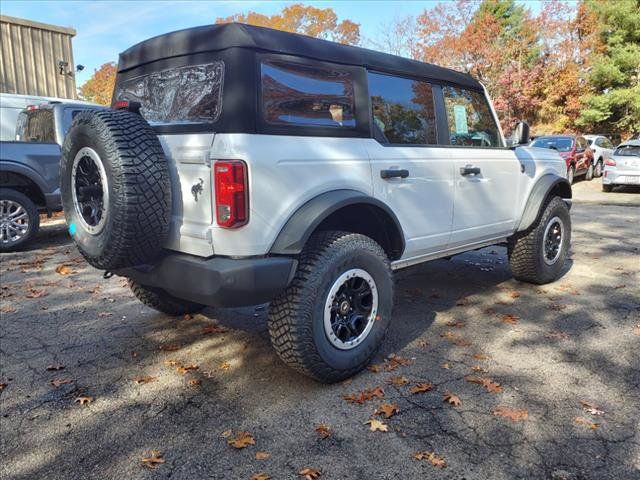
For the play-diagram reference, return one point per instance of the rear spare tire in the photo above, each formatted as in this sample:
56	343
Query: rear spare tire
116	190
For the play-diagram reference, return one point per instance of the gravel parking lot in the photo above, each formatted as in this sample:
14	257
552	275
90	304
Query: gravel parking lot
547	378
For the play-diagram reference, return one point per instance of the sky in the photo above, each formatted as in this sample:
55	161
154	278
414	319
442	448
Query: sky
106	28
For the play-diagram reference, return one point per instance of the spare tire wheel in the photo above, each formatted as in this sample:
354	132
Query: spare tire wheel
116	190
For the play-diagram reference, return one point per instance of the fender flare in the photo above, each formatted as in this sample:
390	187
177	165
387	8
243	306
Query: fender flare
25	171
299	227
539	192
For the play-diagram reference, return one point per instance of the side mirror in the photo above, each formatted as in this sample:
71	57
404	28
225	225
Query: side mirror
520	134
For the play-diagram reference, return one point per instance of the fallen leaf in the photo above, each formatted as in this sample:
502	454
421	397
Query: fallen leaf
210	329
64	270
479	369
104	314
452	399
323	430
514	294
514	415
171	362
56	382
421	388
365	395
260	476
144	379
435	460
194	382
584	421
510	319
55	366
154	460
487	383
423	344
376	368
225	366
449	335
226	434
8	309
309	473
387	409
400	380
481	356
34	293
591	408
242	440
455	323
446	366
182	369
377	426
394	361
84	400
170	347
636	330
262	455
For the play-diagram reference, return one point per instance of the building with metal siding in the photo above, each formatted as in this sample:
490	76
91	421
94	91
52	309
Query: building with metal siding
31	58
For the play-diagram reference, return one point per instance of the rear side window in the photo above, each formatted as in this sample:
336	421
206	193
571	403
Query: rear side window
471	123
403	110
191	94
36	126
581	144
304	95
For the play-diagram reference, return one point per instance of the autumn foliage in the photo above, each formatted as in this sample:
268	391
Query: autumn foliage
99	87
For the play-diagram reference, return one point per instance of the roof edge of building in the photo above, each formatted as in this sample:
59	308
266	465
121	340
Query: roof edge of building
42	26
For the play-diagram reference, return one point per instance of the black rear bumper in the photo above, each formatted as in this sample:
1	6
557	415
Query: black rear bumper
217	281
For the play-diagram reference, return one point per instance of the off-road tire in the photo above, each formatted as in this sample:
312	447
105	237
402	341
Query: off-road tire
160	300
296	317
526	249
32	214
589	174
138	210
607	188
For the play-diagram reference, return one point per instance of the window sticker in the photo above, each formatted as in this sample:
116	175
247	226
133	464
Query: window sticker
460	118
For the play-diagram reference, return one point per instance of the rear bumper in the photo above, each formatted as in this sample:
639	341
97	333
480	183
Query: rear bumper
613	176
217	281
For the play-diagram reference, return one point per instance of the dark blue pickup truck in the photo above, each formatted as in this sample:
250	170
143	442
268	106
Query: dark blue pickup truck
30	169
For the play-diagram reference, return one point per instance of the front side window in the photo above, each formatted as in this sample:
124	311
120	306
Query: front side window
581	144
403	110
606	143
310	96
191	94
471	123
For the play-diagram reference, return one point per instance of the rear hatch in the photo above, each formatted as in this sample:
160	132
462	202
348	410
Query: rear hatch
181	104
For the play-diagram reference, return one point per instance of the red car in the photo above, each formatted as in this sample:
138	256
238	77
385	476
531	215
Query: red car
575	151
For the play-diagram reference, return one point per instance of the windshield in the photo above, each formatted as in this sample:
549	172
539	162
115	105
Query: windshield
628	151
562	144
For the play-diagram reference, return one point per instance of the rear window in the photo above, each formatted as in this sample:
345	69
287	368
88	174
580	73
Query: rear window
303	95
36	126
628	151
561	144
191	94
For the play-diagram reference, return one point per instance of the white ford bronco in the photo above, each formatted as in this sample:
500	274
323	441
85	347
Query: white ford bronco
243	165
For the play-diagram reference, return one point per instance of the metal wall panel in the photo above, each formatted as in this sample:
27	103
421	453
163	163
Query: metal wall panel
30	55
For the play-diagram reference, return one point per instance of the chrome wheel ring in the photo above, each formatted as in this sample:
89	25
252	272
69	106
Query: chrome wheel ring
552	241
350	309
90	190
14	222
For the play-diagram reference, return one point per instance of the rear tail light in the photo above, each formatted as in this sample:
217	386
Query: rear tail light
232	193
127	105
610	161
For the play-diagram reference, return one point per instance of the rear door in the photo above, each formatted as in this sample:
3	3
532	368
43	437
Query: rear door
583	160
487	175
410	172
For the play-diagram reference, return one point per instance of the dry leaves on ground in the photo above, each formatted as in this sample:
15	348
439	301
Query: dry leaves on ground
455	323
260	476
262	455
105	314
510	319
144	379
587	423
35	293
435	460
194	382
56	382
170	347
323	430
487	383
452	399
591	408
514	415
210	329
377	425
64	270
400	380
310	473
446	366
225	366
154	460
387	409
242	440
365	395
182	369
421	388
479	369
636	330
84	400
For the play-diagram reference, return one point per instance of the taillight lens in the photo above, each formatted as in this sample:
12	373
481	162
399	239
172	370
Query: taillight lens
610	161
232	193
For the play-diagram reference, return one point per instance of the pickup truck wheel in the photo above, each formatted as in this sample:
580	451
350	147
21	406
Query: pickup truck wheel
116	190
332	318
538	254
19	220
160	300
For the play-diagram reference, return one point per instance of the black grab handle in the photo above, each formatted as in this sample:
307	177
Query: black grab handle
394	173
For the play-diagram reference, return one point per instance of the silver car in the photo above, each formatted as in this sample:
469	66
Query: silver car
602	149
623	168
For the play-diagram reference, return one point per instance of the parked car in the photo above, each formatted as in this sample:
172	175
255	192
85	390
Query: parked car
30	170
602	149
574	150
623	168
245	165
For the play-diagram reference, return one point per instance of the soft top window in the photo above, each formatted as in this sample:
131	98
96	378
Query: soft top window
191	94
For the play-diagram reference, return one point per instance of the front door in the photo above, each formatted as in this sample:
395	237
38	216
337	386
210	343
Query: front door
487	175
410	174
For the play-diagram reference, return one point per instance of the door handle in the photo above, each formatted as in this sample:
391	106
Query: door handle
469	170
394	173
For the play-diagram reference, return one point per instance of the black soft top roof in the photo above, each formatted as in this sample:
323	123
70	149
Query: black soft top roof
223	36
